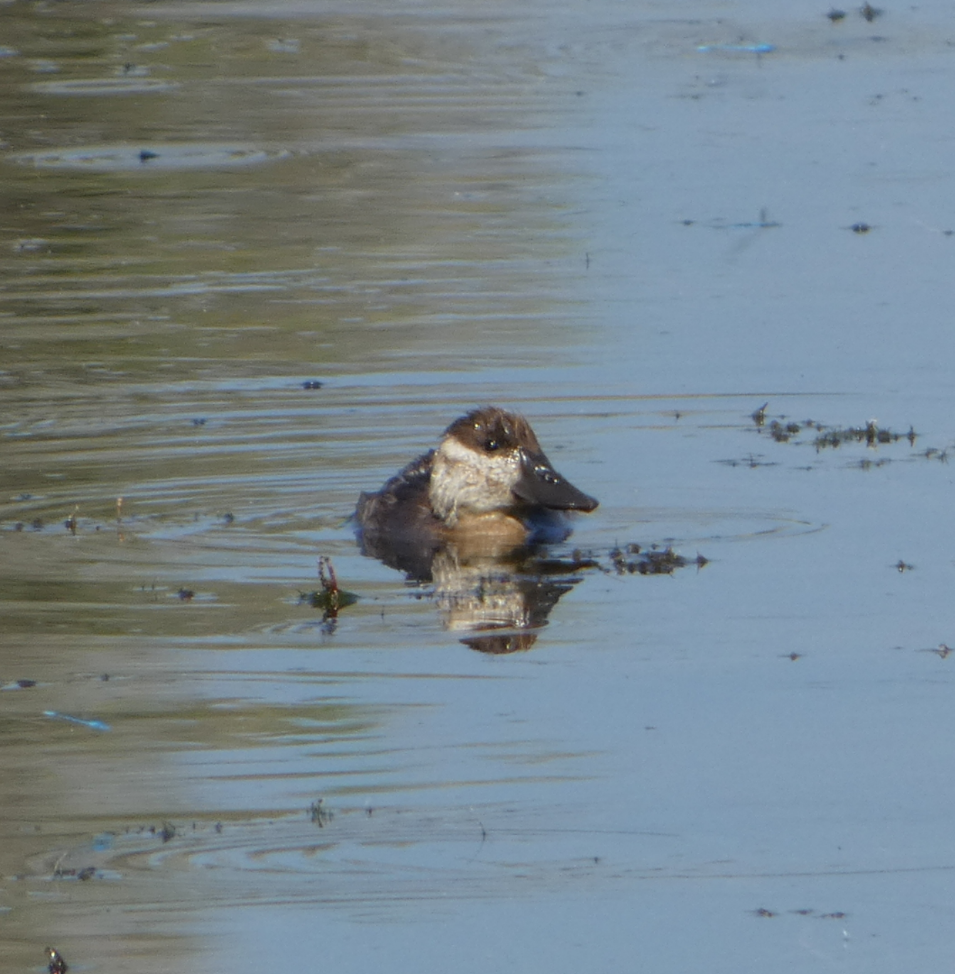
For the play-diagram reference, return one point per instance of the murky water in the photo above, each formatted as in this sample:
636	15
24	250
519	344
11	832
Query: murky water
254	258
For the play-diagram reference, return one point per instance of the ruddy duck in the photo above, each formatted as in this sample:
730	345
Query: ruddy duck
487	480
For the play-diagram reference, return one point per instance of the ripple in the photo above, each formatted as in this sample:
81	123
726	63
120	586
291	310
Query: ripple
131	85
369	857
118	158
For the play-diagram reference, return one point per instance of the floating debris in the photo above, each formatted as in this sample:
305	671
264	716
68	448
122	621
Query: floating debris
860	227
320	815
750	461
763	223
210	156
763	912
783	430
84	874
871	434
869	13
738	48
330	599
56	965
652	561
312	384
782	433
902	566
98	725
836	15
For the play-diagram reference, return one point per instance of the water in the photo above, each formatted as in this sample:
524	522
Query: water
255	257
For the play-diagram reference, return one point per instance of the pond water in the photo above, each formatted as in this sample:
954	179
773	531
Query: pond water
257	256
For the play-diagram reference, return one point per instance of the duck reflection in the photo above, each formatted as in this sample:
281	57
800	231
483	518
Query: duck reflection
473	517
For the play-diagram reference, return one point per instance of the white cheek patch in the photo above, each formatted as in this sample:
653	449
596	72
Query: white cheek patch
464	480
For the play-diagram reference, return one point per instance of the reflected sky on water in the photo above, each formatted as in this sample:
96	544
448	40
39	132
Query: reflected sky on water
253	259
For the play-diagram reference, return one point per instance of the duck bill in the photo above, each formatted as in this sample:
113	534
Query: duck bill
540	485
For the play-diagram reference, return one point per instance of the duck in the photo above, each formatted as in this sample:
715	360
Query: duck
487	486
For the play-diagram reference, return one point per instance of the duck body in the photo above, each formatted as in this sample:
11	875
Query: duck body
488	486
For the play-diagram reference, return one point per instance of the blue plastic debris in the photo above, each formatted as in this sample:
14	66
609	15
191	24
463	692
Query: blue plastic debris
92	724
744	48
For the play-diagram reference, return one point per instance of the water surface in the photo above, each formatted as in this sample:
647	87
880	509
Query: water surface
255	257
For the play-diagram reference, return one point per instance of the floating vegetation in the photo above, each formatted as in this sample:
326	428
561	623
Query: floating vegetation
763	222
319	814
650	561
782	433
627	559
83	874
784	430
871	434
330	598
750	461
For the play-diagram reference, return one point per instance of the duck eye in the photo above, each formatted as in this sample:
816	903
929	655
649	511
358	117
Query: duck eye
491	445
